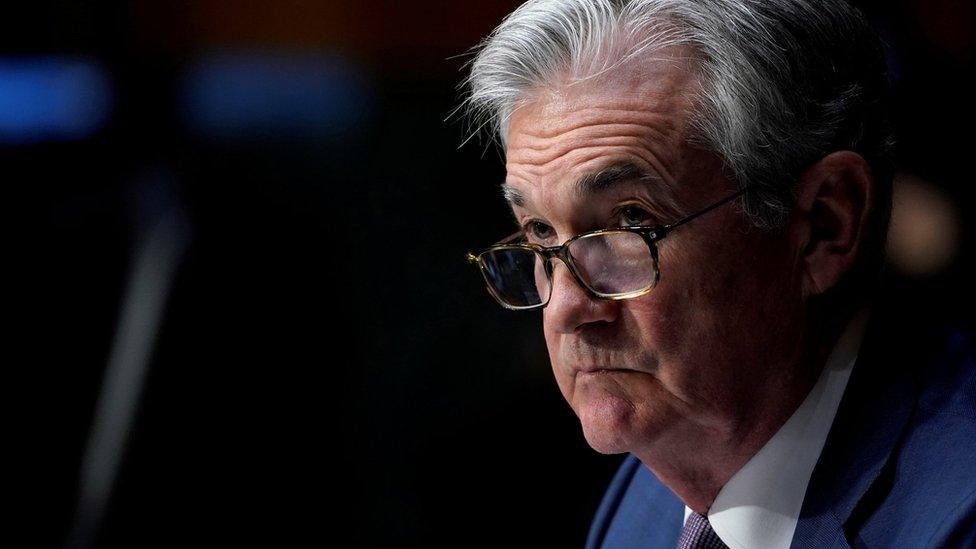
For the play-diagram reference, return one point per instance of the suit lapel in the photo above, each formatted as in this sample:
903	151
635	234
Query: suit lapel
872	416
640	514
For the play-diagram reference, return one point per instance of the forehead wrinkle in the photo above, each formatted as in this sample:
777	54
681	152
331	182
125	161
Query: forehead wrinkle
640	114
642	156
649	136
541	159
645	97
590	160
564	121
619	175
592	183
641	124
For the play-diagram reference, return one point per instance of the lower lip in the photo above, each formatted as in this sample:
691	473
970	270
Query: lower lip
600	372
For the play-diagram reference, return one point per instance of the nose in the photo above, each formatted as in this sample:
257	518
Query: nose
571	306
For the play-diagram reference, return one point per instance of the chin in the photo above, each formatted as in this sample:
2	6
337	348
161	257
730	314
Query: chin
608	423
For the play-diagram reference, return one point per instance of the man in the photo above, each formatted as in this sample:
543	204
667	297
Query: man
703	191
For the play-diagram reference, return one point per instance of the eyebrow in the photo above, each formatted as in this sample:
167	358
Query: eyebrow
590	184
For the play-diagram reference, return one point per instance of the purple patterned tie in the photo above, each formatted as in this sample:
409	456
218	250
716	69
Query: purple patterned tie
698	534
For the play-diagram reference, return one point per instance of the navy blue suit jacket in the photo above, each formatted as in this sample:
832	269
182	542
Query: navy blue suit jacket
898	468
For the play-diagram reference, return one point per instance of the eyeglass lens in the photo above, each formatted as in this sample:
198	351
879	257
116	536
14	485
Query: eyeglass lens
517	275
614	263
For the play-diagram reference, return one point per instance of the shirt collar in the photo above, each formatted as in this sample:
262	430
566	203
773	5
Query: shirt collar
759	506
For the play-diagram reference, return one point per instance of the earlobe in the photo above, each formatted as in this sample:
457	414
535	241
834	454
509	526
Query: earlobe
834	200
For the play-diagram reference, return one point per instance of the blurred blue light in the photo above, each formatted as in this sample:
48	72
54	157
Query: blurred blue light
279	94
52	99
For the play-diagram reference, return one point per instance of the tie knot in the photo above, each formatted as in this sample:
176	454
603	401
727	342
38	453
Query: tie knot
698	534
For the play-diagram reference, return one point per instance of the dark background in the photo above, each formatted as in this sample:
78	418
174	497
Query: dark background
324	364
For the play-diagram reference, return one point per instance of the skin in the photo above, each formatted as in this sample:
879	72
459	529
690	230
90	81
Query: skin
698	374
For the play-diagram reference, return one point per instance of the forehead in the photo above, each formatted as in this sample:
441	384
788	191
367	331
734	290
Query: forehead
636	114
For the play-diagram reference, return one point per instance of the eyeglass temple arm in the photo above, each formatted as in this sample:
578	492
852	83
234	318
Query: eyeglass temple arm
667	228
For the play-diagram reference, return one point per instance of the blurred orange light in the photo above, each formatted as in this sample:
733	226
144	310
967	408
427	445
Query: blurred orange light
924	236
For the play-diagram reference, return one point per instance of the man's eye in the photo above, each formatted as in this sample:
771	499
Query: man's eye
633	215
536	231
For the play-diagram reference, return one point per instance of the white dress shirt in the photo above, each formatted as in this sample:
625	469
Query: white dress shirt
759	506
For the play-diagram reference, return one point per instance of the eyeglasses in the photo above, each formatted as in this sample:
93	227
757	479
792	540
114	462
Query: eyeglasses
615	263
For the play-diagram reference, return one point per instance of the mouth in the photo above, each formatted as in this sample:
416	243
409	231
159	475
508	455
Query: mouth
600	371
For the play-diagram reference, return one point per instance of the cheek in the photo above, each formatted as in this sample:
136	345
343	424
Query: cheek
685	319
712	296
661	320
552	339
667	314
711	277
553	344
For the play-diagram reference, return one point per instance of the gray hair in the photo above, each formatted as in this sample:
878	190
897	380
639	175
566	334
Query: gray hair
784	82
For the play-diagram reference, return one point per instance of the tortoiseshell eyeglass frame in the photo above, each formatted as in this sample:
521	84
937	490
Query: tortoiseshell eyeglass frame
651	235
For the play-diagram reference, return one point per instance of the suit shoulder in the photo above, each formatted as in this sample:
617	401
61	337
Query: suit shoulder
930	481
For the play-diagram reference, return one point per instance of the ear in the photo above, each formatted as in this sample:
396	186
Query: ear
834	200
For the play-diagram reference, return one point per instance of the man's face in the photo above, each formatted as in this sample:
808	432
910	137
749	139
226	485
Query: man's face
687	359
